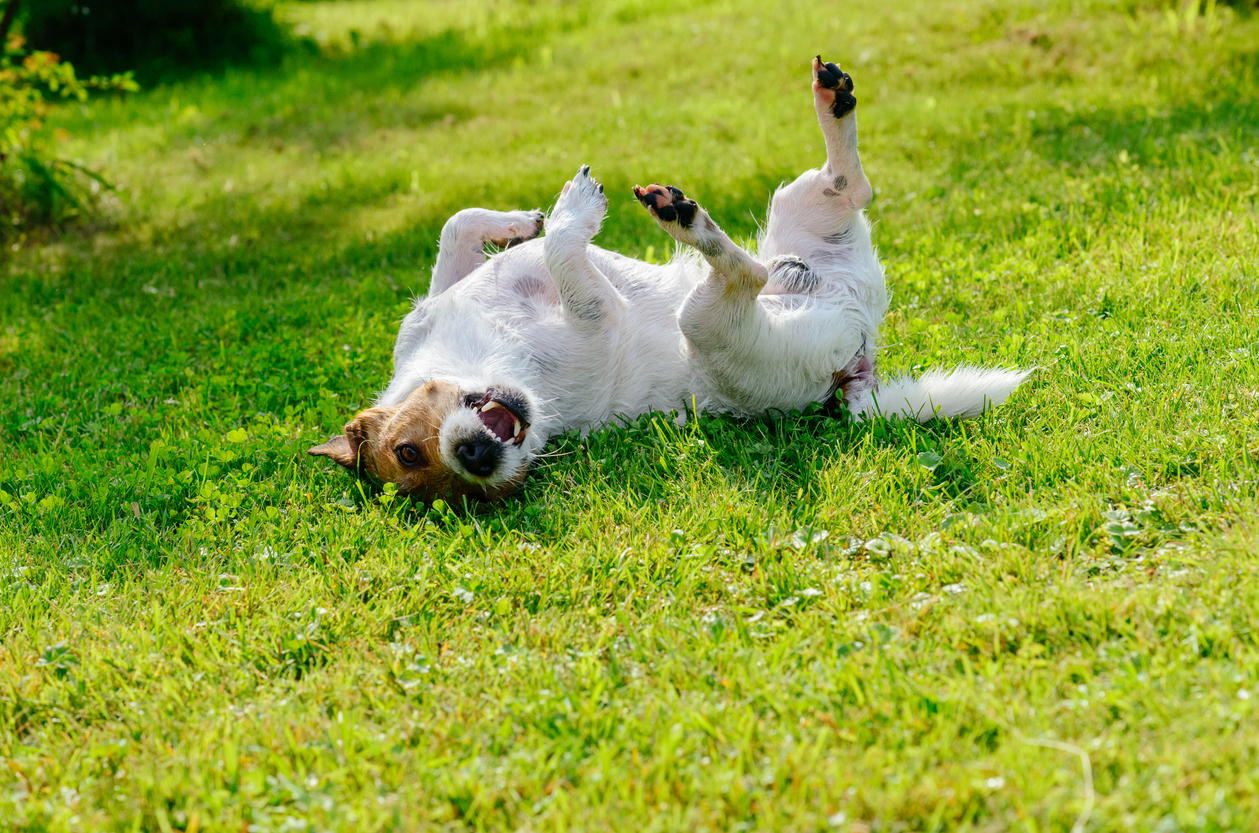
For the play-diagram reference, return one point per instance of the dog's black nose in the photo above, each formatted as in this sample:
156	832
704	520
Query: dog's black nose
479	457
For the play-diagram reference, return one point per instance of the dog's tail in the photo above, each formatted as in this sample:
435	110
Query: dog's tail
965	391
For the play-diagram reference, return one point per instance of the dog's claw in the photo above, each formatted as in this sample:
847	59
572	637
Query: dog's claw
581	204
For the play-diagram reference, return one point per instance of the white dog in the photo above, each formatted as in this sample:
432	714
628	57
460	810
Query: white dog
557	334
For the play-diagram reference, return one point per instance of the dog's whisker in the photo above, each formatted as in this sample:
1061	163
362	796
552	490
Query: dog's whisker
554	454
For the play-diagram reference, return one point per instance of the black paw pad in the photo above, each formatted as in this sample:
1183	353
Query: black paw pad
844	104
831	77
669	203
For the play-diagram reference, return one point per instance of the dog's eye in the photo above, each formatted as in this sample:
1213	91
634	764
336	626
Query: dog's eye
408	455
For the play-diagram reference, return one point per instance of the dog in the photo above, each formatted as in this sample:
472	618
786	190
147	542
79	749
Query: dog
554	333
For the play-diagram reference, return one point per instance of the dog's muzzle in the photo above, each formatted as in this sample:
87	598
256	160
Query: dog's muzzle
504	424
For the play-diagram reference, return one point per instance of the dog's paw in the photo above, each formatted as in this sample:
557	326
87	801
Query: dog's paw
667	204
832	88
582	204
521	226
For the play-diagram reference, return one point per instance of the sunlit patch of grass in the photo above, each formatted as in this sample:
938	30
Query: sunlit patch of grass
796	623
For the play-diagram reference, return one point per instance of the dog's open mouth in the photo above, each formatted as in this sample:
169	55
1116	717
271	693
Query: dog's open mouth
503	414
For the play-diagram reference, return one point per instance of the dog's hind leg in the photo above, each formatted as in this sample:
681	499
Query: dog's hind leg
462	246
588	297
756	351
823	206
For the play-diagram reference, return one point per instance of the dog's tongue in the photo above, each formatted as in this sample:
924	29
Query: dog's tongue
501	421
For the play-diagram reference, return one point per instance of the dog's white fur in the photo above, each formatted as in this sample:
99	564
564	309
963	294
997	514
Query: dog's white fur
581	334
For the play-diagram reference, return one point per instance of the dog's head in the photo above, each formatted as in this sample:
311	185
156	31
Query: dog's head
441	442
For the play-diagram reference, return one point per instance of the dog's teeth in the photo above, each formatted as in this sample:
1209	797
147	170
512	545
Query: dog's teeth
516	432
489	406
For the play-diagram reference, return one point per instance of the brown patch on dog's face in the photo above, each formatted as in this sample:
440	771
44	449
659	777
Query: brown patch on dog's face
402	445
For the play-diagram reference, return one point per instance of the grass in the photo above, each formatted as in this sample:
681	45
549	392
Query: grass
796	624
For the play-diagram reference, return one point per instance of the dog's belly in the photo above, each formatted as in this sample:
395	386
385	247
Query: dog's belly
632	364
519	277
504	323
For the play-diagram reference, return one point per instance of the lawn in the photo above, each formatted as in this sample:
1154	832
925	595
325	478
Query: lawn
1040	620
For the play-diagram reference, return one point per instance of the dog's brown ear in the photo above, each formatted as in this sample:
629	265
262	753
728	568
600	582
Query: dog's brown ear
339	449
345	449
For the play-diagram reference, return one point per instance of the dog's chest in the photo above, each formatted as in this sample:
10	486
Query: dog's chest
506	322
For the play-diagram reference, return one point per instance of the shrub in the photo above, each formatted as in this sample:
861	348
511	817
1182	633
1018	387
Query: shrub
36	186
155	38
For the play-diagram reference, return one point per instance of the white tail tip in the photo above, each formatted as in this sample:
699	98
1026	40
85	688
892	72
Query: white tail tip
965	391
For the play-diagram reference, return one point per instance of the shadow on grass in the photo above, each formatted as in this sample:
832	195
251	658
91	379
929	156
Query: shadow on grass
650	462
312	86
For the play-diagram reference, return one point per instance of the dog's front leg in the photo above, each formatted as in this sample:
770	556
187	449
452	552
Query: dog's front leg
588	298
739	275
462	246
